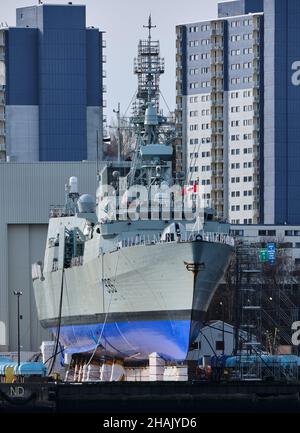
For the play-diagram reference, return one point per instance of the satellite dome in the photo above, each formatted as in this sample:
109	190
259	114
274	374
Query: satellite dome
86	204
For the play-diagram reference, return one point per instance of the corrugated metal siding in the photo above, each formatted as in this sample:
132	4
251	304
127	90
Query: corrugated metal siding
26	192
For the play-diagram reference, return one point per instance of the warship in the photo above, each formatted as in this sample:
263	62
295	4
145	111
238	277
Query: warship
127	273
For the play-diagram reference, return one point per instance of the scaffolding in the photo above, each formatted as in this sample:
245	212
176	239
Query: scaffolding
148	66
265	305
250	293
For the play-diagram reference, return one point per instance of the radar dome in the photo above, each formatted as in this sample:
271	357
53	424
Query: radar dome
86	204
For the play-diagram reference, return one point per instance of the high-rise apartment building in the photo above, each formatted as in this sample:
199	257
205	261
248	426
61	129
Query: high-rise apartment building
51	85
238	110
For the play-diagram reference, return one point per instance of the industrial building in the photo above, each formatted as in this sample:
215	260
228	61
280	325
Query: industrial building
51	85
27	190
238	107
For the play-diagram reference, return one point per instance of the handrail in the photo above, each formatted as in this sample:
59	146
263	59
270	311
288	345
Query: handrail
139	240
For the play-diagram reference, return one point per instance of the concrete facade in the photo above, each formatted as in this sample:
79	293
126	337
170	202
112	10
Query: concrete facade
238	110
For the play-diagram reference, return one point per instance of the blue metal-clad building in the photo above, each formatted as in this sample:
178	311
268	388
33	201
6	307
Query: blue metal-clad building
53	85
238	108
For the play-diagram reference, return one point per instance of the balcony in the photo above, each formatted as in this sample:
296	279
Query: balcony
217	74
217	117
219	31
218	186
218	87
256	23
217	131
256	99
104	59
218	201
256	126
2	132
217	102
103	43
218	159
217	144
256	84
217	47
217	172
256	40
217	60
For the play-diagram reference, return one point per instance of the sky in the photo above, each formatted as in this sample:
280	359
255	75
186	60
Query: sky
123	21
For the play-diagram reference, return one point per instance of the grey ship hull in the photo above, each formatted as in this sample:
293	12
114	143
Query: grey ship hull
135	300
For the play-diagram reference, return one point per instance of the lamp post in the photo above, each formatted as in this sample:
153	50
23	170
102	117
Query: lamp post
18	294
223	329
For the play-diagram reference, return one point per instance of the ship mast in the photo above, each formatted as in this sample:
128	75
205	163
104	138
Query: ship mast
148	66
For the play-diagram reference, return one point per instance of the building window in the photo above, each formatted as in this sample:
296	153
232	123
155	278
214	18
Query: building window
194	57
194	29
193	43
236	66
235	52
235	23
205	28
235	38
205	56
247	93
248	50
248	22
266	232
194	85
205	41
204	70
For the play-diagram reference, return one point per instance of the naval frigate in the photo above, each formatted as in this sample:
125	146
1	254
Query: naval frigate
128	273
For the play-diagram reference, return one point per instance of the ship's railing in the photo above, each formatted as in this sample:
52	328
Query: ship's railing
57	211
173	238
